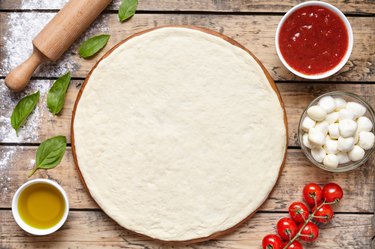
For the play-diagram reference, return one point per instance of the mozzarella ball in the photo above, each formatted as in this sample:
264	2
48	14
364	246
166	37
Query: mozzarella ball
322	126
366	140
331	161
317	113
345	144
316	137
328	138
340	104
327	103
306	141
356	154
345	114
318	154
333	131
364	124
332	117
307	124
356	137
331	146
347	127
343	157
357	109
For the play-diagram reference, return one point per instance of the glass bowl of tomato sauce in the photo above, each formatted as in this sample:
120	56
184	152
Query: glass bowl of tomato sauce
314	40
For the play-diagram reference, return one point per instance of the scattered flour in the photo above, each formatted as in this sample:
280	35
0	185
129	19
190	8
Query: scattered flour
16	46
30	131
37	4
52	5
6	155
9	156
17	41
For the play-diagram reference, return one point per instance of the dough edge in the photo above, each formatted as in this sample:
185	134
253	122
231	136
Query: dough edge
196	235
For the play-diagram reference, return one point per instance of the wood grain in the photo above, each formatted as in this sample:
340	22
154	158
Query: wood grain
296	97
93	229
297	172
255	32
253	24
348	6
232	42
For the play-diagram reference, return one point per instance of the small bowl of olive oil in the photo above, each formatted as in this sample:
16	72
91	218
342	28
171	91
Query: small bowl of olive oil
40	206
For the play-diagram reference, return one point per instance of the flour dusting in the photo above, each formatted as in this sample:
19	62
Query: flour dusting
29	132
6	155
17	40
16	37
37	4
52	5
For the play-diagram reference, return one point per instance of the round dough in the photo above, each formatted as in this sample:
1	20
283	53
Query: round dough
179	134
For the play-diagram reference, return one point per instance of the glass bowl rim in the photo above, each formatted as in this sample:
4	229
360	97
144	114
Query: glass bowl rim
350	165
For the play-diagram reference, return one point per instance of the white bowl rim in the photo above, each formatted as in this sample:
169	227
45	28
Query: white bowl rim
348	51
23	224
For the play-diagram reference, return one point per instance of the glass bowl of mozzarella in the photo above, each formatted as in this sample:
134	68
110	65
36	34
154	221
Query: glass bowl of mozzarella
336	131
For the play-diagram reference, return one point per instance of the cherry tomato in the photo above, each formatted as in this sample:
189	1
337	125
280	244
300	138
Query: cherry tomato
325	214
294	245
272	241
298	211
310	232
312	194
286	228
332	192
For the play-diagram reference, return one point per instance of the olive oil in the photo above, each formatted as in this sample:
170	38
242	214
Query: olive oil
41	206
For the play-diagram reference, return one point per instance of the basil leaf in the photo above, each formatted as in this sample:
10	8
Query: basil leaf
49	153
23	109
93	45
56	95
127	9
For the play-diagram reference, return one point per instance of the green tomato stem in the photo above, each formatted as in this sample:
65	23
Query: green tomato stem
311	216
323	217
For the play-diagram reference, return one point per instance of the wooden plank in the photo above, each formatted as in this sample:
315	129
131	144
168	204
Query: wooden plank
43	125
87	229
253	31
16	162
297	96
349	6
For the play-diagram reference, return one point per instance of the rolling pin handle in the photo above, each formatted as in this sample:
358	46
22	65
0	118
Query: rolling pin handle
18	78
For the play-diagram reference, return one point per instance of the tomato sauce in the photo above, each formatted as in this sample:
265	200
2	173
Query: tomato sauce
313	40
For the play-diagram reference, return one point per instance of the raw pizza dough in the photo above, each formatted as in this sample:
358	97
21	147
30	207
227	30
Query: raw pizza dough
179	135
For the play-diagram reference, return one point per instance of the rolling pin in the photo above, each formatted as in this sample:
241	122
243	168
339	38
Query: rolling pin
56	37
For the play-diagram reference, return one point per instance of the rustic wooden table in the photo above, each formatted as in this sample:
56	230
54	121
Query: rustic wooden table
253	24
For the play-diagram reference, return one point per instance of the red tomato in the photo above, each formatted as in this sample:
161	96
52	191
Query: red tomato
324	214
332	192
312	194
286	228
294	245
298	211
272	241
310	232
